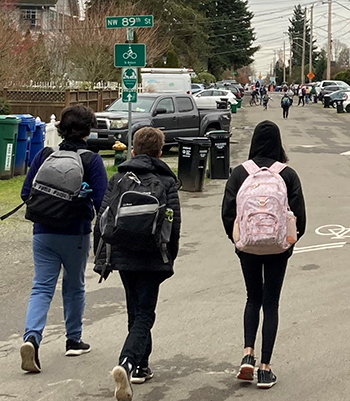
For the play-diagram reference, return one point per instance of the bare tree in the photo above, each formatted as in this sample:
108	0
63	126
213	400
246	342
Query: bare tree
90	46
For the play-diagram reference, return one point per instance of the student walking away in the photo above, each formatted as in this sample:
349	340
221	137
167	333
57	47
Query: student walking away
301	95
141	245
266	99
61	190
264	245
285	104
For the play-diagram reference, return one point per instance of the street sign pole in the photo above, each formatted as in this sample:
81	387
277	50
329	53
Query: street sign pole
128	56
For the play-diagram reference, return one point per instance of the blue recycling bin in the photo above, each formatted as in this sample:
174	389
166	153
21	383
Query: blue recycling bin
37	141
25	132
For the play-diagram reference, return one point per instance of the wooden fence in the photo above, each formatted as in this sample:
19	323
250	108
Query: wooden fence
43	103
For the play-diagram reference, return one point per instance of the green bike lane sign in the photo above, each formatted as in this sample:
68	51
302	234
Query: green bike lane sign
129	55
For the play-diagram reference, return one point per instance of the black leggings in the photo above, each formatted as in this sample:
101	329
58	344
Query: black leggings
263	277
285	111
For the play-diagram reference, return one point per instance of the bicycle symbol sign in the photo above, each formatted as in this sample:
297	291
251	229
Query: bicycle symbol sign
129	55
335	231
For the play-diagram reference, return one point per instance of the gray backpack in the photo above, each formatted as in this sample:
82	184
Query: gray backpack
55	195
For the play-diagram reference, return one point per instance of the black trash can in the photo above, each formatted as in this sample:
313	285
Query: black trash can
192	163
222	104
327	101
340	107
219	160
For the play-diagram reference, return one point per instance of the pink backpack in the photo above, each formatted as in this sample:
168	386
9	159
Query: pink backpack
263	212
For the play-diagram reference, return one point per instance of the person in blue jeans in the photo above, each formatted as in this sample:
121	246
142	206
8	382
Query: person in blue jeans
54	248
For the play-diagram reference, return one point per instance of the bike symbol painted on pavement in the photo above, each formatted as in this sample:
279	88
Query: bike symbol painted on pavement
334	231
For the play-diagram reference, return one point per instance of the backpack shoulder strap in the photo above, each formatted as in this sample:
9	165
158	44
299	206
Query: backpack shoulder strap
250	167
277	167
85	155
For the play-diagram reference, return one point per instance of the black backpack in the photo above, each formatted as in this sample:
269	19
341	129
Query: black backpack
135	214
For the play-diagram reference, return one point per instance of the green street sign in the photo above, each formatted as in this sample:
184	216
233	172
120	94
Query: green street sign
129	78
129	55
129	97
133	21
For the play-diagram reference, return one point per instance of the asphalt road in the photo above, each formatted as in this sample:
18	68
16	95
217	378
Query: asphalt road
198	335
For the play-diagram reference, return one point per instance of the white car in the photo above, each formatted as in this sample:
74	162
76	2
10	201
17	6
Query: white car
208	98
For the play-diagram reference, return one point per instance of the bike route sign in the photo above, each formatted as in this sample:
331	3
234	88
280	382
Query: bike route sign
129	55
133	21
129	83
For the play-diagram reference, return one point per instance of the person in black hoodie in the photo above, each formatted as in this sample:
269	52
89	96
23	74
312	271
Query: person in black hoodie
263	274
141	274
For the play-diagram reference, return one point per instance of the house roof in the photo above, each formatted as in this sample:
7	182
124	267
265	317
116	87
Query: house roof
36	3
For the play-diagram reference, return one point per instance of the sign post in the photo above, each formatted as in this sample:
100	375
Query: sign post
129	56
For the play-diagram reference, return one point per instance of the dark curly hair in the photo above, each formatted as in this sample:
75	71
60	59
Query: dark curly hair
76	122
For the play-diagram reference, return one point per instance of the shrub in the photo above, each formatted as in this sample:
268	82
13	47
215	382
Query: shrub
5	107
343	76
204	78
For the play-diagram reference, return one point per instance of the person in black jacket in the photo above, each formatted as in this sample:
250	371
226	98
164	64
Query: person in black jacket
263	274
141	274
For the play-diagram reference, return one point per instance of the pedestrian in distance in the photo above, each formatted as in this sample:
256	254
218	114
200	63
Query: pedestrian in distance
64	241
141	270
266	99
286	102
301	95
263	273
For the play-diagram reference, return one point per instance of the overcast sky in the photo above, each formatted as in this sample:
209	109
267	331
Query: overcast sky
271	19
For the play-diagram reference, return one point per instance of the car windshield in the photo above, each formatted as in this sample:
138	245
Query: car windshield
143	105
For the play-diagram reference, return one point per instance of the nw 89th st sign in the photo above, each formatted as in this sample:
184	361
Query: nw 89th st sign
133	21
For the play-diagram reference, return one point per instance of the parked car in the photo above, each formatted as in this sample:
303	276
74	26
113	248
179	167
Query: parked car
175	114
228	84
331	89
234	89
335	84
208	98
342	94
346	104
196	88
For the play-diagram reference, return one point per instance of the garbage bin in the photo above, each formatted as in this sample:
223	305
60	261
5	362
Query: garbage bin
8	138
340	107
239	103
26	128
37	141
221	104
193	154
219	159
326	100
234	108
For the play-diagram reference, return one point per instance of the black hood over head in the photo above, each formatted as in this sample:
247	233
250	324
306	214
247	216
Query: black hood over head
266	142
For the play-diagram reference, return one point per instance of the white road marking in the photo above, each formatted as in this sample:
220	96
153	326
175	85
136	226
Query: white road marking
319	247
345	153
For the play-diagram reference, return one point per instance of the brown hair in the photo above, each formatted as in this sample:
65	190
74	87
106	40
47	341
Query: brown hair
148	141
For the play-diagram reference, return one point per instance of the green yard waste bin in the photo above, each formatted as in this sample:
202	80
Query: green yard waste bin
233	108
8	139
239	103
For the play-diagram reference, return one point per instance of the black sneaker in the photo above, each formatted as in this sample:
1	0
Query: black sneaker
123	390
76	348
30	356
246	371
140	375
266	379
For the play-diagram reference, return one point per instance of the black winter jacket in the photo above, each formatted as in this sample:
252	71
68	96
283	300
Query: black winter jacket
139	261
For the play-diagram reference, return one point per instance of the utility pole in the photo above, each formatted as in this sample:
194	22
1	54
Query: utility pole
284	61
303	56
290	56
311	38
329	49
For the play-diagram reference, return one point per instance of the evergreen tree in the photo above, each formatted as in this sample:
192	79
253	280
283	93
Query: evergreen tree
230	35
321	66
295	31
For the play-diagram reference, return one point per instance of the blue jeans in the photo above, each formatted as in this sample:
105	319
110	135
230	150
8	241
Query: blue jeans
51	251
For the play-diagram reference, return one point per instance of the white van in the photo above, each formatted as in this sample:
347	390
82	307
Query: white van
166	80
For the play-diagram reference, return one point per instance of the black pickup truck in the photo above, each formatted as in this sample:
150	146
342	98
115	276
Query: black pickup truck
176	115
